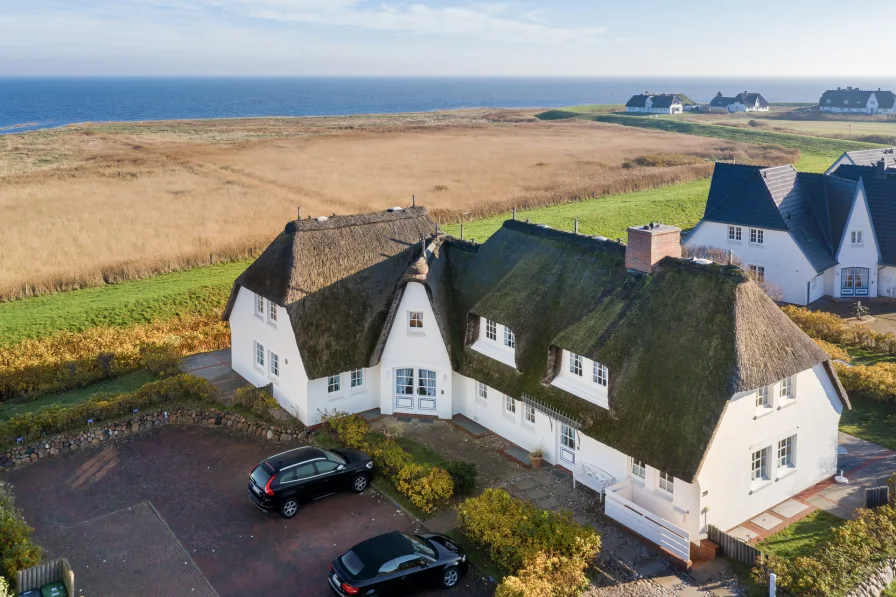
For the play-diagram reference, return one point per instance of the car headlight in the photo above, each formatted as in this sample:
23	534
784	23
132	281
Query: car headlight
370	464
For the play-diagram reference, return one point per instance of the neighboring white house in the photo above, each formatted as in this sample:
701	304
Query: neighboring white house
742	102
653	103
855	100
676	387
809	235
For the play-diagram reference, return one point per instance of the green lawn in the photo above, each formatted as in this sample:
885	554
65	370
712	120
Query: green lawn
119	385
860	356
680	205
802	538
196	291
870	420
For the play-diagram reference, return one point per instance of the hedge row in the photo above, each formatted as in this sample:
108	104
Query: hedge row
427	487
546	553
179	389
831	328
17	551
853	552
69	360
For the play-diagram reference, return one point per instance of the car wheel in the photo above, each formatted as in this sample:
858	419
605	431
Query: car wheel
450	577
289	508
360	483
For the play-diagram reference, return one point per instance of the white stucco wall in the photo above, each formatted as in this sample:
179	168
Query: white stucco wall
886	280
785	265
347	399
246	328
864	255
417	349
725	477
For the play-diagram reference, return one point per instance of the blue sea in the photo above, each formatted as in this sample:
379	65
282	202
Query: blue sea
35	103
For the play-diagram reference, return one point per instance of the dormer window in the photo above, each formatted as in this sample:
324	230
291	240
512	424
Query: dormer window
575	364
762	399
572	377
856	238
259	305
509	338
600	374
491	330
415	320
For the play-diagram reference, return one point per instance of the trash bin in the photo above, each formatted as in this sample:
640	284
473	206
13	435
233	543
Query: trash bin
55	589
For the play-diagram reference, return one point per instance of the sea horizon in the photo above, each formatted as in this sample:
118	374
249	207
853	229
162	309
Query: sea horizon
30	103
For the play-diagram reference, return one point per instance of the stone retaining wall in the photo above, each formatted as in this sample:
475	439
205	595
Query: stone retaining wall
73	441
878	583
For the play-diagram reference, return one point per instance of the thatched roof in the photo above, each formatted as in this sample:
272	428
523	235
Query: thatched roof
336	278
678	343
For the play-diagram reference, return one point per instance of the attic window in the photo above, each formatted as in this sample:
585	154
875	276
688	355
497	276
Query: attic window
415	320
509	338
855	238
259	304
272	311
491	330
667	482
600	374
575	364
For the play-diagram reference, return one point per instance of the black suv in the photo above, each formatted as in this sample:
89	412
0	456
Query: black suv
282	482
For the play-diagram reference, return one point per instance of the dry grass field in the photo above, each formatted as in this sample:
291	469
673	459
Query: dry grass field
94	204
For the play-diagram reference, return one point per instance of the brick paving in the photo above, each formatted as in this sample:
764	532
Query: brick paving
196	480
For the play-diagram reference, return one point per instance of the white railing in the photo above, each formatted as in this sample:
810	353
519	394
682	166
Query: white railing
653	527
593	477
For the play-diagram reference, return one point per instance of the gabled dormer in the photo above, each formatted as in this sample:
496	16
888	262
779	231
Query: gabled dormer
858	243
580	376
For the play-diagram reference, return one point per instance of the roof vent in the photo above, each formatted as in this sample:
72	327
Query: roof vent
394	209
321	218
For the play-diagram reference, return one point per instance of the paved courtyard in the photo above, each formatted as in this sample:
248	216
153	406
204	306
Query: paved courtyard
628	568
166	513
883	312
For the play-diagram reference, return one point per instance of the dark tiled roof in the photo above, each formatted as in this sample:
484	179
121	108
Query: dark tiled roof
881	195
637	101
738	195
719	101
751	99
885	99
845	98
870	157
665	101
839	195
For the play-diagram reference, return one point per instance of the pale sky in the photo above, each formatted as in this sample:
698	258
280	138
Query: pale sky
445	37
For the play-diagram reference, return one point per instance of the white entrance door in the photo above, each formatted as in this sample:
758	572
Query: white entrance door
415	391
567	447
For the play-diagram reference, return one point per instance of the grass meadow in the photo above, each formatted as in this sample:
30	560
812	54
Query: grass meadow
95	204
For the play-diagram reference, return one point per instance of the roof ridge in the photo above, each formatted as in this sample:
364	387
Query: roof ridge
595	243
352	220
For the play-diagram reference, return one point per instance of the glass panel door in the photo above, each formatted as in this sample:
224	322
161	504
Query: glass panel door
847	281
426	390
862	278
404	389
854	281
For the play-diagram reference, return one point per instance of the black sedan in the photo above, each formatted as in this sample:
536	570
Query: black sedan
282	482
397	564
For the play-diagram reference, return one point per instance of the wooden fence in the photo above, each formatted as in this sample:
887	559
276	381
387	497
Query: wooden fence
733	548
46	573
875	497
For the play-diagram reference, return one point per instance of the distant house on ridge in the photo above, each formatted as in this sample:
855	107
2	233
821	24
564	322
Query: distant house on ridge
858	101
742	102
652	103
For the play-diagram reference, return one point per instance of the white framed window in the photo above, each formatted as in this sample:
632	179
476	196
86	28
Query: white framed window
481	390
509	337
357	378
510	405
575	364
734	233
600	375
639	470
757	236
762	400
667	482
415	320
259	355
567	437
528	414
272	311
404	382
426	383
259	304
491	330
855	238
760	465
275	364
785	390
334	384
757	272
785	452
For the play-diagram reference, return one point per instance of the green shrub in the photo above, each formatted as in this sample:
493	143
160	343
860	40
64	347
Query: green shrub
257	400
514	531
351	429
852	551
162	360
17	552
549	576
55	419
464	475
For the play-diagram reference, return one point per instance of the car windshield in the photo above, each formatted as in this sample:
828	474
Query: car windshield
422	546
336	457
262	474
352	563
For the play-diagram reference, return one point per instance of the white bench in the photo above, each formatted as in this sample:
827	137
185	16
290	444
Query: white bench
593	477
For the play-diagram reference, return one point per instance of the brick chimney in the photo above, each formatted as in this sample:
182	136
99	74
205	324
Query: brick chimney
880	170
650	243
